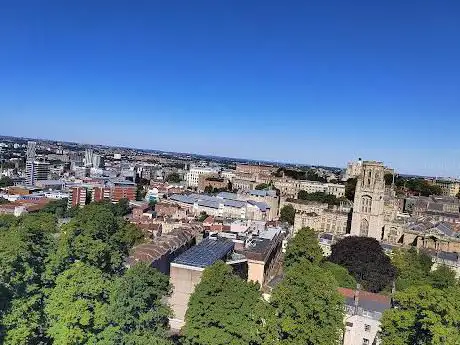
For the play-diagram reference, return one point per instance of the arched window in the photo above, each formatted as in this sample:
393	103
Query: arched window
366	204
364	228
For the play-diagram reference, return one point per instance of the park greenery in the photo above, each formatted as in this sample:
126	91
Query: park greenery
68	284
319	197
287	214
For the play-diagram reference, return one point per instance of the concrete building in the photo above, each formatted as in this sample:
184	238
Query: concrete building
223	206
244	184
89	157
368	206
36	171
77	196
211	181
263	252
186	271
51	184
363	311
255	169
267	196
193	175
449	188
290	188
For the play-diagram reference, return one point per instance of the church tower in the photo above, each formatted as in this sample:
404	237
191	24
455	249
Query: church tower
368	206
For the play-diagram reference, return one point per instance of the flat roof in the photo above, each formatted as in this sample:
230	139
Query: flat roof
205	253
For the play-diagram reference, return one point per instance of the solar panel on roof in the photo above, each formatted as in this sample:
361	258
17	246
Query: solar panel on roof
205	253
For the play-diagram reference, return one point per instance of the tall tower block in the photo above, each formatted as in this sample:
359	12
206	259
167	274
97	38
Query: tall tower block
368	206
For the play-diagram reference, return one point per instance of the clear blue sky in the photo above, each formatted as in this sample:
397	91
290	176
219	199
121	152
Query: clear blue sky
319	82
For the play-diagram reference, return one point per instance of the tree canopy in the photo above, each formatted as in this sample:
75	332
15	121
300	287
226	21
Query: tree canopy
415	268
350	188
173	178
5	181
287	214
364	258
68	284
303	246
423	315
222	309
308	308
341	275
319	197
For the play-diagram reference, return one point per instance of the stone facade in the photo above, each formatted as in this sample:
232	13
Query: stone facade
369	205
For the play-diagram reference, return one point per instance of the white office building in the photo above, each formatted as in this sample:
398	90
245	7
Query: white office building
193	175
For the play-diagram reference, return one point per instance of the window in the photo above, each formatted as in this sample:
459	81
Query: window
365	341
367	328
364	228
366	204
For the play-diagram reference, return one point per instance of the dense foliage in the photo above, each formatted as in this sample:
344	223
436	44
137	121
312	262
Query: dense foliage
364	258
341	275
5	181
415	268
173	178
308	308
417	186
262	186
309	174
303	246
423	315
68	285
287	214
350	188
319	197
222	309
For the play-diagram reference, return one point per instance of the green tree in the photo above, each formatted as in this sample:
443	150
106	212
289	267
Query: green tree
341	275
350	187
443	277
23	251
287	214
208	189
308	308
364	258
137	303
173	178
423	315
5	181
413	268
203	215
77	306
222	309
57	208
262	186
388	179
319	197
96	236
140	192
304	245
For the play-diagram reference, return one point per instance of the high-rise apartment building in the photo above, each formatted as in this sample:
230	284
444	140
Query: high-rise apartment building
89	157
368	207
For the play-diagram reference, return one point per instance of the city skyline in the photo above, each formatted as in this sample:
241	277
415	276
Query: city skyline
315	84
